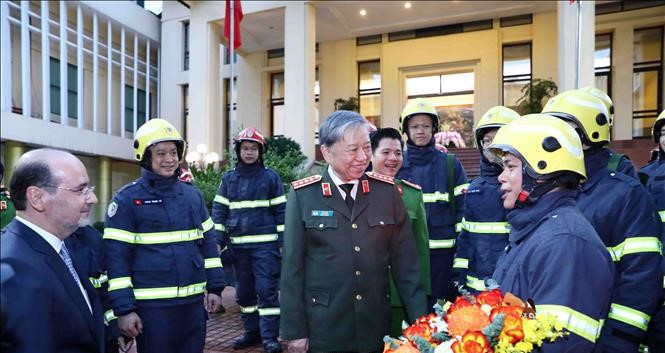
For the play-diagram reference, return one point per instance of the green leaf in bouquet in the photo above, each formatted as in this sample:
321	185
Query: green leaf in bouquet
423	345
493	330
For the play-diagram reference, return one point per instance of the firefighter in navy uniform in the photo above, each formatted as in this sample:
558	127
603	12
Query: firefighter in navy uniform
615	161
442	179
343	230
163	265
654	179
623	214
249	209
554	255
485	230
86	248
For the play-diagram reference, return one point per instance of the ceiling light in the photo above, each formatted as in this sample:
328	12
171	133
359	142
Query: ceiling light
407	5
363	12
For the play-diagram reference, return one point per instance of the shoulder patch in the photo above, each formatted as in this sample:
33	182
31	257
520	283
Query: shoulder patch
415	186
381	177
113	208
306	181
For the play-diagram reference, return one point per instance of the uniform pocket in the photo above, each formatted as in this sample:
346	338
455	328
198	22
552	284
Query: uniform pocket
318	297
380	220
321	223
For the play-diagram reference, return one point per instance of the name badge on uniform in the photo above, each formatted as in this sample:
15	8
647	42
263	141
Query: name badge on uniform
321	213
140	202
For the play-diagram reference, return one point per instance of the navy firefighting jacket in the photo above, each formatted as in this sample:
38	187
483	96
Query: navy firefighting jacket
623	214
555	258
249	206
161	246
427	167
484	234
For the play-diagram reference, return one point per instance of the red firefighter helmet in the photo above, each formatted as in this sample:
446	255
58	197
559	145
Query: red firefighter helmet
251	134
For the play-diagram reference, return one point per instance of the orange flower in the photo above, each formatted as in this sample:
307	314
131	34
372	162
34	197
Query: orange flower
512	328
492	298
508	310
468	318
472	342
421	328
460	302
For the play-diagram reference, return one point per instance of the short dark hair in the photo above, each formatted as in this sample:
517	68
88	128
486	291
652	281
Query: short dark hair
384	133
34	172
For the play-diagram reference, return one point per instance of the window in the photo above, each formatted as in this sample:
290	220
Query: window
452	95
647	79
602	63
185	46
72	88
516	71
373	39
277	118
185	110
369	90
129	108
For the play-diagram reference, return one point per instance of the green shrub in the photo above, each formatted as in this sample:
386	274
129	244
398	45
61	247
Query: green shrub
285	157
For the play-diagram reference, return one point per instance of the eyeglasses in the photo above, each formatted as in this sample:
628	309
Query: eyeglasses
85	192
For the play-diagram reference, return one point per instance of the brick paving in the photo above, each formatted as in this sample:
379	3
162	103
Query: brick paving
224	328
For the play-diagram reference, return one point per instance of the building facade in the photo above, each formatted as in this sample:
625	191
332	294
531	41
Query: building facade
298	57
125	65
110	52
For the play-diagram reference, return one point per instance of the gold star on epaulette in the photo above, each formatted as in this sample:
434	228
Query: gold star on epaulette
305	181
381	177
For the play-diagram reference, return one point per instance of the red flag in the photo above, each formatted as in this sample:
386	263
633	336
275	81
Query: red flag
237	17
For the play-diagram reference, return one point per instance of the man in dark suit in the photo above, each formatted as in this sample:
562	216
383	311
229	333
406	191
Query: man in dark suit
343	231
51	304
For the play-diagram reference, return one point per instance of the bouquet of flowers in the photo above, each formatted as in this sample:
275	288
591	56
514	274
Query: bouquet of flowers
485	323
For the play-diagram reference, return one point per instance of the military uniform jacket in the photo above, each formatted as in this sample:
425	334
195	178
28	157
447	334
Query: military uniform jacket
555	257
484	234
334	283
249	206
161	248
413	201
623	214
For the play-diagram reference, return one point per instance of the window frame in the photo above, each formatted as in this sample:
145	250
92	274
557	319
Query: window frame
515	78
649	66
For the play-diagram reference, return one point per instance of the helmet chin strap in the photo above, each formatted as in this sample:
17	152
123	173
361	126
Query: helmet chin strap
533	189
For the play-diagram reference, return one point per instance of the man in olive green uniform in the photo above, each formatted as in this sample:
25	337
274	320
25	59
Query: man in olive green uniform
387	148
7	209
343	230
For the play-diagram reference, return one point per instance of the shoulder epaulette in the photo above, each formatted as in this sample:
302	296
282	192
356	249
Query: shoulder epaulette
625	178
415	186
383	178
305	181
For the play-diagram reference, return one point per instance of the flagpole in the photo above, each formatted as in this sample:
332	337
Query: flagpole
232	113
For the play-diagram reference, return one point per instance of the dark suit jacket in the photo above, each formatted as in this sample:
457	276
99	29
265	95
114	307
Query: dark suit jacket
46	312
334	284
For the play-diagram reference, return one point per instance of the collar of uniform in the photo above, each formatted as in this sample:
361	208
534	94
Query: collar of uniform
160	184
338	181
420	155
489	169
523	221
248	169
54	241
595	164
